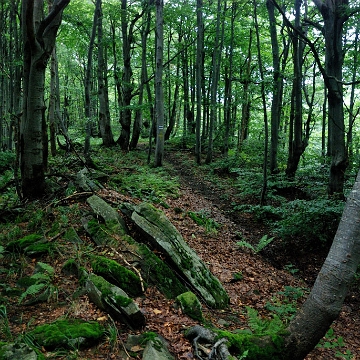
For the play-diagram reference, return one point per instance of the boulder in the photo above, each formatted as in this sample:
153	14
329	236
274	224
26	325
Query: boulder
114	301
16	351
68	333
108	213
190	305
117	275
156	228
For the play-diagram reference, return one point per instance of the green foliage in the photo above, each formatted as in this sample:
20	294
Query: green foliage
41	288
265	341
309	221
285	304
4	323
263	242
203	219
330	341
263	326
134	176
7	159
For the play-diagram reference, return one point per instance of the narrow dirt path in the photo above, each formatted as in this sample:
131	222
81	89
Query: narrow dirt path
260	281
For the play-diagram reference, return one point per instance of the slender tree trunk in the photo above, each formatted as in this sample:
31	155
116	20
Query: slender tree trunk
277	89
246	103
139	112
159	95
52	102
39	36
214	83
263	97
87	87
104	118
296	144
199	73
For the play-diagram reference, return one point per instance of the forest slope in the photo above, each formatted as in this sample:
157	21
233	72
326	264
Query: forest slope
250	279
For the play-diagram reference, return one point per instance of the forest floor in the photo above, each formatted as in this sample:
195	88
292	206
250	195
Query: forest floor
254	280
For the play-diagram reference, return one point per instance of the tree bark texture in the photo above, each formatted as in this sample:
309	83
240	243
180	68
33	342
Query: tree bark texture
159	94
324	303
104	113
39	35
334	15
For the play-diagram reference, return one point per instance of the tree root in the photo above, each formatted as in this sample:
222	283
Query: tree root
219	349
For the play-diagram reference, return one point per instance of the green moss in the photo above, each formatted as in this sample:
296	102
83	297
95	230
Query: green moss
190	305
40	248
122	301
58	333
20	244
103	285
259	347
160	274
117	274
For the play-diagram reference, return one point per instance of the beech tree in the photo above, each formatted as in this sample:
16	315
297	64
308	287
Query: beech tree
39	35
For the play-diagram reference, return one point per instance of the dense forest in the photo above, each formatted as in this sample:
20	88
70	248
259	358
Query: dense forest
228	129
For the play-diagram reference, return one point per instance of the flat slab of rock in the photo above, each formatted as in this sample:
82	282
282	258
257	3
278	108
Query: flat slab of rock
161	233
114	301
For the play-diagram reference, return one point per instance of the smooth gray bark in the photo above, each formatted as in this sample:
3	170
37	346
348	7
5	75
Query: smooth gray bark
324	303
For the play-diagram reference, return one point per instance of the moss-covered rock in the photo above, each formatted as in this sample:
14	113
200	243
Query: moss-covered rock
190	305
16	351
117	274
161	233
114	301
32	244
68	333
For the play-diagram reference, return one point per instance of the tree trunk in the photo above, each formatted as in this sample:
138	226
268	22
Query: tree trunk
324	303
159	95
277	89
39	35
104	117
88	86
199	72
214	83
334	15
52	103
263	98
296	144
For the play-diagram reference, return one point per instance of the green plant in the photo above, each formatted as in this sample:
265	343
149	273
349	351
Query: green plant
312	221
285	304
41	284
291	269
264	241
203	219
330	341
4	323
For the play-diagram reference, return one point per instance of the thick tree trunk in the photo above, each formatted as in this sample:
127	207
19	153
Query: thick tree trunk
324	303
334	14
39	39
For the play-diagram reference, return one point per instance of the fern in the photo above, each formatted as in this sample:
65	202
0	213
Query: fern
264	241
42	281
261	326
32	290
45	268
